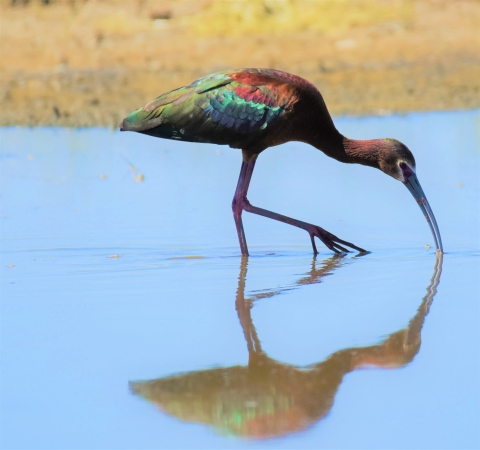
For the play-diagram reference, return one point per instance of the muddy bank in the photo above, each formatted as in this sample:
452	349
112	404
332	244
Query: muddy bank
91	65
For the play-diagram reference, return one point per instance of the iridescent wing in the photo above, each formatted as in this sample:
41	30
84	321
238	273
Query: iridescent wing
235	108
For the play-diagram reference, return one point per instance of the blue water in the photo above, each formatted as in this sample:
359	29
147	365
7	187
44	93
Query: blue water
120	264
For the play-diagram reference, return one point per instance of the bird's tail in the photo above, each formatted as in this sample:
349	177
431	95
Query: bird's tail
141	120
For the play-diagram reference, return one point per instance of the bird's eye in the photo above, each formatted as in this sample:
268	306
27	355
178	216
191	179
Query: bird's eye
406	170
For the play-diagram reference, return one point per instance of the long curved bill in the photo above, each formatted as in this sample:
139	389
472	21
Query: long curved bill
413	185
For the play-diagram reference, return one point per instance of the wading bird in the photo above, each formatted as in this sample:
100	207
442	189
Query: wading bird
253	109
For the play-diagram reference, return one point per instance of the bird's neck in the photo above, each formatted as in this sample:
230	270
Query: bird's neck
365	152
352	151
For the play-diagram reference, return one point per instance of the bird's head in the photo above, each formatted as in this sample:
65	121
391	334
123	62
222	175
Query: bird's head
396	160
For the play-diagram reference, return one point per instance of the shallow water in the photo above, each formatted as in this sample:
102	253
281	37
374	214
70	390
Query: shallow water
129	320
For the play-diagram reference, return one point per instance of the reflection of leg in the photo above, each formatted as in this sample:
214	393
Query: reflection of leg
243	308
328	266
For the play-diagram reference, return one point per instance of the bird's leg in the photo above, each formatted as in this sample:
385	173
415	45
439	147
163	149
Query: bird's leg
329	239
240	202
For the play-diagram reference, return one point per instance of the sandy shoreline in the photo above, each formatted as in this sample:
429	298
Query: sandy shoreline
61	68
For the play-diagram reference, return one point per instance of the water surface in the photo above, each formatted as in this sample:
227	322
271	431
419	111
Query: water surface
129	320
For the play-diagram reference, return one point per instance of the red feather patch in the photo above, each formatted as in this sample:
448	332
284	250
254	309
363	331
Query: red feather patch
256	79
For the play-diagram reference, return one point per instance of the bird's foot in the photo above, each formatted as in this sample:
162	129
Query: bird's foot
331	241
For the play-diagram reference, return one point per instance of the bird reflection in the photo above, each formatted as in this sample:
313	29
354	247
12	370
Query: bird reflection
267	398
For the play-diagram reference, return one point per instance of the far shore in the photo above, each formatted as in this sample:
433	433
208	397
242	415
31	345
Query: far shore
92	65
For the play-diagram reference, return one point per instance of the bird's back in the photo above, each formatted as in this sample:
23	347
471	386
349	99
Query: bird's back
247	108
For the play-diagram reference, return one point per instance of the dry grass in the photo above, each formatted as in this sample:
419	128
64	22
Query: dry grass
90	62
275	17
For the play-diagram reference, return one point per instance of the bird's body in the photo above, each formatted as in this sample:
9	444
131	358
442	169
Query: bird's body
250	109
254	109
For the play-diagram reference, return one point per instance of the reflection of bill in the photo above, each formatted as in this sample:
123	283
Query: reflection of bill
268	398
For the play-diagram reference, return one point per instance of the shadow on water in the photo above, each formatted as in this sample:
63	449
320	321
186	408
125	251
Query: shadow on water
267	398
